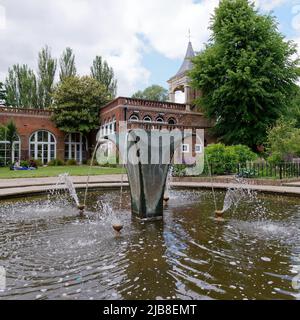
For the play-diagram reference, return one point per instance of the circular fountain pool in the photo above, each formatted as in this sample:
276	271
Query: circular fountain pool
49	252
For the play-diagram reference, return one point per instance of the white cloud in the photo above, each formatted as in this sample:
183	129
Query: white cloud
109	28
268	5
119	30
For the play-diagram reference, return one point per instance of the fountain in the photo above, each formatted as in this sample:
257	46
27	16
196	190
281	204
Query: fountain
168	184
149	155
66	180
146	156
49	253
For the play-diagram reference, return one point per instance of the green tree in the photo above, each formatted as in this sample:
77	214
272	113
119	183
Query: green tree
283	141
2	93
154	92
292	112
9	133
67	64
105	75
21	87
46	75
246	73
77	101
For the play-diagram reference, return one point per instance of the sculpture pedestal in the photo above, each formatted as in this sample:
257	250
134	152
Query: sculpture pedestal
147	184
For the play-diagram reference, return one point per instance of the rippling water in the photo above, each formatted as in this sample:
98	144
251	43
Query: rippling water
51	253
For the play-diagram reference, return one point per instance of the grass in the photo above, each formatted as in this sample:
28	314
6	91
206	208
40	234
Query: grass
82	170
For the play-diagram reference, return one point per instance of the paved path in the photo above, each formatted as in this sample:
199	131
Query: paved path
18	187
26	182
287	190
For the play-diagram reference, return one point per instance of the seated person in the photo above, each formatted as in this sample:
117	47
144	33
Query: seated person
32	165
17	166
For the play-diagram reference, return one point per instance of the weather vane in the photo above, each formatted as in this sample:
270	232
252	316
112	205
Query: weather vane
189	35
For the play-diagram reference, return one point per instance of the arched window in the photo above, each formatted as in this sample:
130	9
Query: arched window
159	119
42	146
5	151
134	117
171	121
147	119
75	147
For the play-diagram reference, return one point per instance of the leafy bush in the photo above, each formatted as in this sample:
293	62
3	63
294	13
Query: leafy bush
283	141
2	163
24	163
225	159
38	162
71	162
179	170
55	163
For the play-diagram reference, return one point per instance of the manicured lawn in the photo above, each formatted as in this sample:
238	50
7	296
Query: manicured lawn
5	173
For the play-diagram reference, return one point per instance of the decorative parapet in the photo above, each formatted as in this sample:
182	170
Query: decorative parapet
145	103
161	125
25	111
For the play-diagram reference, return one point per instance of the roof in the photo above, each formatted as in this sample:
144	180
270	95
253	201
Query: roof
187	63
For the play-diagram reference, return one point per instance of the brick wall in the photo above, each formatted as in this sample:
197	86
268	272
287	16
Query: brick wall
27	123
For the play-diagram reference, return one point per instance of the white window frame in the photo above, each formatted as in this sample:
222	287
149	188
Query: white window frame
6	150
36	143
147	119
69	143
197	146
183	145
134	117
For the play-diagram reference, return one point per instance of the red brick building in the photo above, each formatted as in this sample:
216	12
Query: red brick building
39	138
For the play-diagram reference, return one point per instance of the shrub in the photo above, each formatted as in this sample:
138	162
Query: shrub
179	170
225	159
24	163
244	154
95	162
283	141
71	162
38	162
2	163
55	163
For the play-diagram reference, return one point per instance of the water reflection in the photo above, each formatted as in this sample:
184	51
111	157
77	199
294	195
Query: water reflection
51	253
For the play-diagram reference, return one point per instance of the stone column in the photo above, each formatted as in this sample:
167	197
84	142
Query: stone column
172	96
187	94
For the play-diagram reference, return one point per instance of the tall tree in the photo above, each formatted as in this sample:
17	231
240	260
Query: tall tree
154	92
246	73
67	64
77	102
2	93
105	75
9	133
46	75
21	87
293	110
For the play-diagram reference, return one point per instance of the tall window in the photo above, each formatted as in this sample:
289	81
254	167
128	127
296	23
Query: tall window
43	146
108	127
5	151
75	147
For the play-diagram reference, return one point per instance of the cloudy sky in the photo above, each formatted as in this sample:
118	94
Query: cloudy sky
143	40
